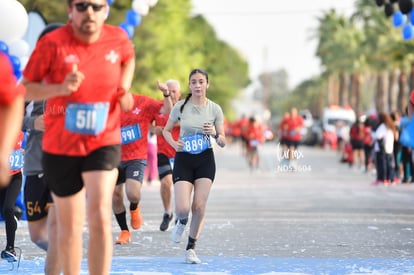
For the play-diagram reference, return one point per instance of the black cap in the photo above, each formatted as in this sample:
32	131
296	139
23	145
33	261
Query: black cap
49	28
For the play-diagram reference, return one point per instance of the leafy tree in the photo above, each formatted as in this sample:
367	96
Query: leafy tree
169	43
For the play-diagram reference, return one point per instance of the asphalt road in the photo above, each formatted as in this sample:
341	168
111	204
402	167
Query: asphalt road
324	211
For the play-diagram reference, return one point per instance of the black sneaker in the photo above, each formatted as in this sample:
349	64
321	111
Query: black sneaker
9	255
166	219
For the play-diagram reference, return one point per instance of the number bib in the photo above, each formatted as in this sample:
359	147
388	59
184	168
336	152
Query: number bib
16	160
86	118
293	133
130	133
254	143
196	144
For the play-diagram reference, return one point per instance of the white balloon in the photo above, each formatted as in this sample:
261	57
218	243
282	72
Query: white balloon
23	62
19	48
152	3
13	20
141	7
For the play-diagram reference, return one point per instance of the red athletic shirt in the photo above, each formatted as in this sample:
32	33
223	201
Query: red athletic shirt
368	139
294	126
101	63
9	89
163	146
135	125
283	128
357	132
254	135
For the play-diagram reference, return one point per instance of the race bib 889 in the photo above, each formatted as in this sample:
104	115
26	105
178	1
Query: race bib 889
196	144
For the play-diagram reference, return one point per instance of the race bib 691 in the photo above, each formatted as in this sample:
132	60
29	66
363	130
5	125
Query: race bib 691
130	133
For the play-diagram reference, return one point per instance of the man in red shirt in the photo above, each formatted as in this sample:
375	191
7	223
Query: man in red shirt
283	138
11	115
84	69
294	127
166	154
255	139
135	126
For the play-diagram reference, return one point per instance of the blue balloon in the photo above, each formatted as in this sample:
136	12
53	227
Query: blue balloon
128	28
398	19
407	134
408	31
17	74
411	16
15	61
133	18
4	48
404	121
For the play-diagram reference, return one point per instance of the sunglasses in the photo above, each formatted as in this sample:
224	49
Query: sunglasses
83	6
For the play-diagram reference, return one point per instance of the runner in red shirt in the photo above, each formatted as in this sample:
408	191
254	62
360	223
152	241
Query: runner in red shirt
134	132
255	138
283	137
84	70
166	154
294	127
11	115
356	135
242	124
8	198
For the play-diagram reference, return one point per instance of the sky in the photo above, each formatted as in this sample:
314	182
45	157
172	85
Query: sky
272	34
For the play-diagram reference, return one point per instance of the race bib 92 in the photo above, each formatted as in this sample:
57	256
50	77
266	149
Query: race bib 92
16	160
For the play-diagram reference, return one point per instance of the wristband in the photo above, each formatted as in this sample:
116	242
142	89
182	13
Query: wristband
216	136
121	91
167	95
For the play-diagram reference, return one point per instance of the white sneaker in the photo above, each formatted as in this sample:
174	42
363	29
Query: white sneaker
177	232
191	257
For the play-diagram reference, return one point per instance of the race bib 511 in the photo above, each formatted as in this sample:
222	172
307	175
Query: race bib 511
86	118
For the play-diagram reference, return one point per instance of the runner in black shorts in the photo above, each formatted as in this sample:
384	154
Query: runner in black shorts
166	154
201	121
84	71
135	126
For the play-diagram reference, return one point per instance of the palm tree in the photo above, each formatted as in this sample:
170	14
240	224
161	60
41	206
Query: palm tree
386	55
341	55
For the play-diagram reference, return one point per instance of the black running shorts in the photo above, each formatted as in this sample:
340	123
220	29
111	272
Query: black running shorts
63	174
37	197
164	166
189	167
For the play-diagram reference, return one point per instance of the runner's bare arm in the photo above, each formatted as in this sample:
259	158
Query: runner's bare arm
10	124
41	90
127	74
